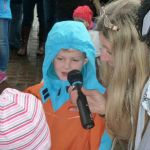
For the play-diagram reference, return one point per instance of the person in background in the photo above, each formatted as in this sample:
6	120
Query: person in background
68	47
49	14
22	122
15	25
5	16
143	125
144	22
64	8
84	14
28	15
61	10
124	70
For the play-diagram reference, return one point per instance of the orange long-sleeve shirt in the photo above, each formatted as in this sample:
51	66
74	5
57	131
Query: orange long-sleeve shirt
67	132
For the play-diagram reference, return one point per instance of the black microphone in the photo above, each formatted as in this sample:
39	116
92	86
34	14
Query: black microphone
75	78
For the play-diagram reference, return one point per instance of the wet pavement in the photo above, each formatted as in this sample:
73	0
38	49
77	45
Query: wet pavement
24	71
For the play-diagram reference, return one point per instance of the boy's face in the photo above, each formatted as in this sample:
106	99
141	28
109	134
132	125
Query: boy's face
67	60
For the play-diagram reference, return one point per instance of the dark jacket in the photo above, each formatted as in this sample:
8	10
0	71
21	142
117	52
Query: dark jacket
16	1
65	8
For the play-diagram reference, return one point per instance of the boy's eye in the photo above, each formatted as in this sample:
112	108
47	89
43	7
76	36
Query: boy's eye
59	58
76	60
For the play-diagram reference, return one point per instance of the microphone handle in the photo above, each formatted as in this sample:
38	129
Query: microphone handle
84	111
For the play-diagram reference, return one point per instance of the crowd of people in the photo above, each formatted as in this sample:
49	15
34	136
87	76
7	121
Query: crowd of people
109	43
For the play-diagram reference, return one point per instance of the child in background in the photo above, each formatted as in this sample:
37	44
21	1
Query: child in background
85	15
68	47
22	122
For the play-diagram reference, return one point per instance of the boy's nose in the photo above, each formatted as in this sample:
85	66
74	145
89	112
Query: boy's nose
67	64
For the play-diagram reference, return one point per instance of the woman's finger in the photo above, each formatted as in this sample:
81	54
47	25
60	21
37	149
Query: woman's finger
73	109
73	94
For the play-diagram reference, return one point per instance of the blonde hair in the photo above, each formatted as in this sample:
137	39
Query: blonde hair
126	78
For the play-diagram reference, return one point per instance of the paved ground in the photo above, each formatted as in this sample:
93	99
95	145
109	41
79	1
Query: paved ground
26	71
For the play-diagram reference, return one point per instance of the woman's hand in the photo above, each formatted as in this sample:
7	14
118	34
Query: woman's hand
95	100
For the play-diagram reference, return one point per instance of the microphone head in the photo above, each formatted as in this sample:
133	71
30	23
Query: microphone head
75	77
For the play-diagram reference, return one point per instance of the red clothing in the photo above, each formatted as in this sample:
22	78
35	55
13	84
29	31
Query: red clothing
67	132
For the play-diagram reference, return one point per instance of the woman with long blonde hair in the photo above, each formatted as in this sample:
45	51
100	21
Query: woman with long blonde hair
125	68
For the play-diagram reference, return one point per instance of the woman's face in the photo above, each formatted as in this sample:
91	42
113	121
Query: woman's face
68	60
106	50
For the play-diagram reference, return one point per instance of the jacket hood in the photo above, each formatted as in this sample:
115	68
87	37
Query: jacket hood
67	35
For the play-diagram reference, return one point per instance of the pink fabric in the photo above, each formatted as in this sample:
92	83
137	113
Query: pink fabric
22	122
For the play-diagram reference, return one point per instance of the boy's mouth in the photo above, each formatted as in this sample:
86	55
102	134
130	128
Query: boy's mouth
65	73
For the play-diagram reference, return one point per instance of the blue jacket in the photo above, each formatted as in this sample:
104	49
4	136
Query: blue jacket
106	142
5	11
68	34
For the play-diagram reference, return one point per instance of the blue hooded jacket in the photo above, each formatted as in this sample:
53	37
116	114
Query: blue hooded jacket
67	35
5	11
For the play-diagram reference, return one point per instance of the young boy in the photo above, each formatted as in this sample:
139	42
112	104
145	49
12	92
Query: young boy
68	47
